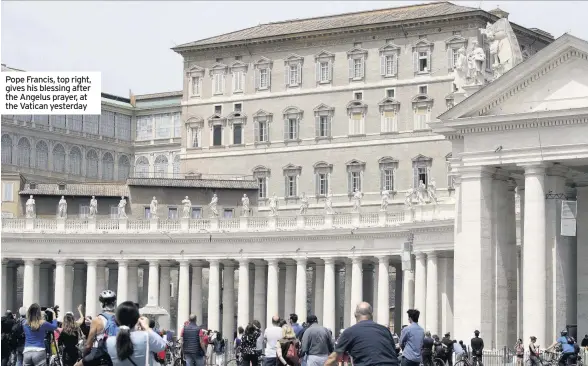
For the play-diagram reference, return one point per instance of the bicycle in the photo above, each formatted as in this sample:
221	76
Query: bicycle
476	361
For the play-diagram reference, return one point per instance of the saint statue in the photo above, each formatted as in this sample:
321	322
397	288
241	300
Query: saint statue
212	206
62	208
422	193
303	204
122	204
357	195
476	59
30	208
273	205
432	190
153	208
187	208
460	70
245	203
329	203
385	200
93	207
409	197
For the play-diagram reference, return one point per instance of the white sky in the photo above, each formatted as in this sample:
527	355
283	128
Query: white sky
129	42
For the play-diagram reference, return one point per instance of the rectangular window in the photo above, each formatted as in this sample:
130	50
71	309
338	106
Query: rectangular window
195	86
388	180
324	126
238	80
123	127
293	78
355	180
390	93
195	142
218	109
262	134
291	186
292	133
454	57
389	122
423	61
263	78
237	107
219	83
356	127
196	213
172	213
84	211
238	58
262	184
323	184
389	65
74	122
146	213
91	124
107	124
114	212
237	134
421	118
357	68
358	95
144	128
228	213
421	174
177	123
163	126
219	60
423	89
7	192
324	72
217	135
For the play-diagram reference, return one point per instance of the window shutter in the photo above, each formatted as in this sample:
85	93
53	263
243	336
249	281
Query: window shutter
329	121
415	60
415	177
318	71
299	78
349	182
392	179
362	67
350	60
287	75
286	193
256	131
296	185
256	76
235	85
269	77
395	64
317	126
429	64
383	65
450	64
317	184
296	124
382	179
330	71
222	81
286	129
241	80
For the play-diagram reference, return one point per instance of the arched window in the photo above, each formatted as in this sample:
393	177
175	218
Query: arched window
160	166
59	159
6	149
42	155
176	166
124	167
75	161
92	164
142	167
107	167
24	152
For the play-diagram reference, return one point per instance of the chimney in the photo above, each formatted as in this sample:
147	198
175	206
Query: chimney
499	13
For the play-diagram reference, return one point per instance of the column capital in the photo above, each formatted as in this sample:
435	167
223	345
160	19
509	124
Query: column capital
60	261
558	170
357	260
272	261
213	262
228	263
533	169
123	262
92	262
196	263
329	261
512	185
383	259
183	262
432	255
244	262
476	173
153	262
420	255
301	261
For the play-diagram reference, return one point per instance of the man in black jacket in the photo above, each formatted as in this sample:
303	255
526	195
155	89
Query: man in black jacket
192	344
427	351
477	345
585	341
448	343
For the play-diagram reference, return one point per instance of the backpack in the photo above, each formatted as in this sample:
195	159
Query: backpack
17	335
111	328
292	354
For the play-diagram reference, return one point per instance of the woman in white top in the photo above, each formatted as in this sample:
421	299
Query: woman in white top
133	347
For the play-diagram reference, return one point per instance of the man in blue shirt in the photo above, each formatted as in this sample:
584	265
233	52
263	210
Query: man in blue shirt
297	328
567	347
411	340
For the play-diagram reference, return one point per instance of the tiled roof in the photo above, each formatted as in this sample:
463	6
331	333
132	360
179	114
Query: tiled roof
335	21
159	95
78	189
194	183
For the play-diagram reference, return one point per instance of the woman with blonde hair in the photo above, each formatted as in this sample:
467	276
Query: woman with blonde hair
68	339
288	348
35	329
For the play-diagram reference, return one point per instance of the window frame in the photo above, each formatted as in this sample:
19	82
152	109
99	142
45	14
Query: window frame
323	111
194	124
292	118
327	58
355	168
238	68
195	72
293	71
262	173
385	106
260	118
426	47
263	64
217	121
421	102
291	177
388	164
171	209
325	169
354	108
141	124
359	55
421	162
7	194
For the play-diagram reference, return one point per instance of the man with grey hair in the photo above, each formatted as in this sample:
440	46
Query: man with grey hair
193	343
368	343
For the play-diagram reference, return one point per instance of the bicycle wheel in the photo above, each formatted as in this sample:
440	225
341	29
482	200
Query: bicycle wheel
438	362
461	363
232	362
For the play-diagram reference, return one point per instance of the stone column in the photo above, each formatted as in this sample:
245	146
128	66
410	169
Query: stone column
301	309
28	283
243	302
165	294
133	282
196	299
145	285
272	289
68	305
282	290
183	294
383	291
259	294
582	259
420	287
60	284
347	312
153	288
534	249
91	291
374	303
408	291
290	290
319	292
213	295
80	286
356	286
37	276
100	283
11	274
328	311
398	297
228	299
446	293
122	290
432	304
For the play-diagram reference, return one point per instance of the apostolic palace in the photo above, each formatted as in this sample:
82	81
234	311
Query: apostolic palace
430	156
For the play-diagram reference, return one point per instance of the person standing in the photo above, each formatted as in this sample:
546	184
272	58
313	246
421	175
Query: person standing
297	328
584	343
249	346
271	336
193	343
68	339
219	349
288	348
368	343
534	352
317	343
18	335
35	329
520	352
411	340
427	351
459	352
477	345
448	343
7	349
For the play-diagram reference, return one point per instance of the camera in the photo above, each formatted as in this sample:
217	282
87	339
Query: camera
48	314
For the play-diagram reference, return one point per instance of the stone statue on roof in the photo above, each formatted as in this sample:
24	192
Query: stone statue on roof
93	207
62	208
122	204
213	206
245	203
153	208
30	208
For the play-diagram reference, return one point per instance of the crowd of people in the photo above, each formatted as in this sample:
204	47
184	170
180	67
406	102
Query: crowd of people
120	336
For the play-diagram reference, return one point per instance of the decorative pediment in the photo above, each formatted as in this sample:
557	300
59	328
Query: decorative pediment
421	157
422	99
355	162
239	66
293	58
218	68
356	51
263	62
387	160
555	78
262	116
237	117
292	112
456	41
216	119
322	165
423	43
324	55
389	48
323	108
388	101
292	169
194	120
356	106
196	71
260	169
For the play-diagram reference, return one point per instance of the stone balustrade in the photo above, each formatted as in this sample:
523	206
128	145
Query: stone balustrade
418	213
